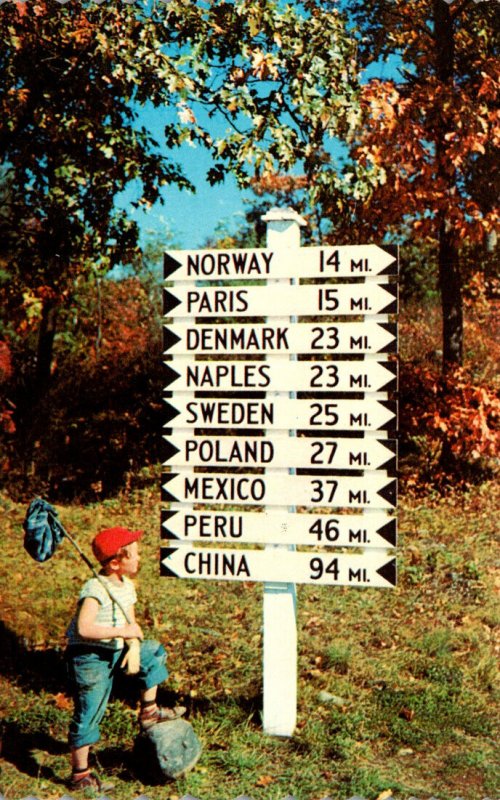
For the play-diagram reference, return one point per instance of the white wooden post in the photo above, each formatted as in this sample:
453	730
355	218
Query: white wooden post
279	607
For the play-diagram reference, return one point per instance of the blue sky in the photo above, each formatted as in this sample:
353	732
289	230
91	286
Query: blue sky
190	219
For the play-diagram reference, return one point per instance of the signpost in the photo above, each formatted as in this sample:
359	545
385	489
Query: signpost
280	427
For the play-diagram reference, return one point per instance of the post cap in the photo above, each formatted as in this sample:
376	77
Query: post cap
283	215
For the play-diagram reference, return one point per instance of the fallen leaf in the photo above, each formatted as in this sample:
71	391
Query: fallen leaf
264	780
63	702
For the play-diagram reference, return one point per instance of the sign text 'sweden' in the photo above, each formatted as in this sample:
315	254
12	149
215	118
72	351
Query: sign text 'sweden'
282	413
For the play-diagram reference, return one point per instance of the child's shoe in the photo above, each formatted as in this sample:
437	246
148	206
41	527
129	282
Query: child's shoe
89	780
151	715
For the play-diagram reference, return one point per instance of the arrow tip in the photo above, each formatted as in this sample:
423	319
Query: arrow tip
392	268
389	532
389	492
165	553
169	338
389	572
171	375
170	265
171	413
172	450
170	301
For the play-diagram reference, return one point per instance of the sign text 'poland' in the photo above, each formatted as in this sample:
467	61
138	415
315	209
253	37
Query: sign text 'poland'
281	452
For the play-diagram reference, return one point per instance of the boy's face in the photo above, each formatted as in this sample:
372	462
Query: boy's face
129	561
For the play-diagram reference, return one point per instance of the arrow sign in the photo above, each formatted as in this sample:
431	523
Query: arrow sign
281	452
359	261
301	337
261	301
277	375
373	489
282	413
374	530
373	568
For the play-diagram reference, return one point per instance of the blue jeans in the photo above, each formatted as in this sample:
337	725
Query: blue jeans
91	672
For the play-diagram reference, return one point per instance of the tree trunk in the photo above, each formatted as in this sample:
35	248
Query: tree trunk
450	282
45	349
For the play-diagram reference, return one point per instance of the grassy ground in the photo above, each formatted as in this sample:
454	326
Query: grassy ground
410	673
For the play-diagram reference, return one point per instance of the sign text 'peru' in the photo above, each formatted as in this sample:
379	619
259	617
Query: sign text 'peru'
374	529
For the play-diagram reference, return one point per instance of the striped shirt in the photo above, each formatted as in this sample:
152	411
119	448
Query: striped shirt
108	613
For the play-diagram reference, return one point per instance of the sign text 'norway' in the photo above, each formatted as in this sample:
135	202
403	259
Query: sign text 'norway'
350	261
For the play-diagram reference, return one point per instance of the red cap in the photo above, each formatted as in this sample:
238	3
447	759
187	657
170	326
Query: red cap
107	542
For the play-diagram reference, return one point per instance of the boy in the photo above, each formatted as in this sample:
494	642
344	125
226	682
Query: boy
96	649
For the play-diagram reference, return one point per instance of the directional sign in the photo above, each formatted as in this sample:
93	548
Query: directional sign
276	375
374	568
264	301
375	529
358	261
372	490
281	452
282	413
300	337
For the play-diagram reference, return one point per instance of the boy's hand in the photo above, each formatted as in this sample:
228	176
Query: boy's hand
132	660
132	631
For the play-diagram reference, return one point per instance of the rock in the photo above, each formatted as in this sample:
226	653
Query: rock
332	699
170	747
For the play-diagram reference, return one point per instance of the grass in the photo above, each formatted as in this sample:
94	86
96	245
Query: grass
397	688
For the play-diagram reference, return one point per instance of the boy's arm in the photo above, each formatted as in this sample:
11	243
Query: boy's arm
88	628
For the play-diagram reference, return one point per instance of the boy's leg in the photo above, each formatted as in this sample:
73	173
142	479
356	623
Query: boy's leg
152	672
91	675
